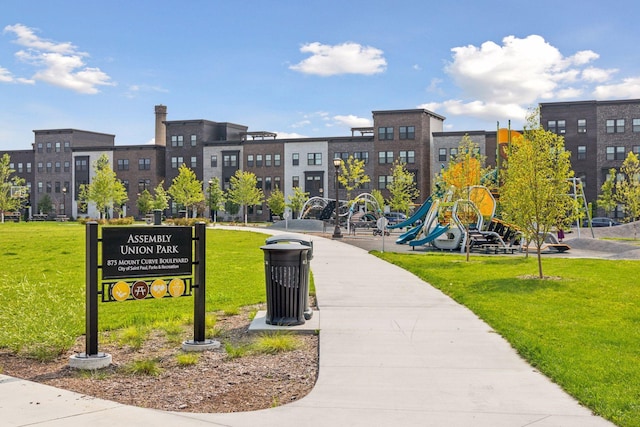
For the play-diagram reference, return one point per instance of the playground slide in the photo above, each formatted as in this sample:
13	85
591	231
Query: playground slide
409	235
419	214
435	233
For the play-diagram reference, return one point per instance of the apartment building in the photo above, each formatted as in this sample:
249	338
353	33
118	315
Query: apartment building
599	134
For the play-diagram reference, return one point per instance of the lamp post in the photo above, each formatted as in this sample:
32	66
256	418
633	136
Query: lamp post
337	234
210	207
64	200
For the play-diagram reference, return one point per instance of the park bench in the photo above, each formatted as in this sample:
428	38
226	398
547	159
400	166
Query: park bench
61	218
12	216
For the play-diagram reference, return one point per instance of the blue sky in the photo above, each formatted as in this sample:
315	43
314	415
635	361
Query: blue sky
304	68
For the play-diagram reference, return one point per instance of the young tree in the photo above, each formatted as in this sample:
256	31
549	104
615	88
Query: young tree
9	202
628	189
105	189
402	188
145	202
297	200
379	198
536	191
276	202
606	198
45	205
161	198
215	197
352	175
185	189
243	190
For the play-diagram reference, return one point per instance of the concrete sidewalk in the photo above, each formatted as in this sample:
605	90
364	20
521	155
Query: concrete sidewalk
393	352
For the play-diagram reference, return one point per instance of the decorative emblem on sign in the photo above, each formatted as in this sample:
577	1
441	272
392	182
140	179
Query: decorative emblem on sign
120	291
140	289
159	288
176	287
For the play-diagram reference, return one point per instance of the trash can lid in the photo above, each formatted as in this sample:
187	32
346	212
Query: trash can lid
284	247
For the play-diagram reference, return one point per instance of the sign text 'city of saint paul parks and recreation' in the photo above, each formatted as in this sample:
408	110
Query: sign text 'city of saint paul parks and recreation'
146	251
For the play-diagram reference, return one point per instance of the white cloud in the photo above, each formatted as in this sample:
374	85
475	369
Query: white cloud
598	75
500	82
353	121
289	135
629	88
345	58
58	64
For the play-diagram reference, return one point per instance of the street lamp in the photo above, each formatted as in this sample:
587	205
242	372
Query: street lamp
210	207
64	200
337	234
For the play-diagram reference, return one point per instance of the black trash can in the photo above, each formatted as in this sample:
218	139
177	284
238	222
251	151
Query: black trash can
303	240
286	268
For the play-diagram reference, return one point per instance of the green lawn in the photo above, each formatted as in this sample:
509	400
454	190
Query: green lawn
42	285
581	328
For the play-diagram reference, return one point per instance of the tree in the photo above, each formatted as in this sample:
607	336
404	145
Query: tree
352	175
243	190
45	205
465	170
536	191
606	198
144	202
9	201
185	189
402	188
215	197
297	200
276	202
161	198
628	188
105	189
379	198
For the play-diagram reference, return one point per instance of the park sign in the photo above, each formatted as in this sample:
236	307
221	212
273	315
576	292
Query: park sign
146	252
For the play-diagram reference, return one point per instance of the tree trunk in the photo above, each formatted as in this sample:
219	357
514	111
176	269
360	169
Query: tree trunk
540	261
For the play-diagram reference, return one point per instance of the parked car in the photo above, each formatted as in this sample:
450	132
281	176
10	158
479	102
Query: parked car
395	217
600	221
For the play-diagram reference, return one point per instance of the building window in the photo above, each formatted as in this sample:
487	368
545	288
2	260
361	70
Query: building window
453	152
123	164
49	167
176	162
194	162
144	184
39	147
582	152
442	155
20	167
276	182
48	186
620	153
362	155
314	159
177	141
144	164
40	167
384	181
230	160
267	160
258	160
29	166
341	155
611	153
194	140
67	166
267	183
407	132
295	159
214	161
48	147
582	125
82	165
408	156
125	182
636	150
385	133
57	187
58	147
67	146
249	160
276	160
40	186
562	126
551	126
615	126
636	125
385	157
259	182
295	181
57	167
